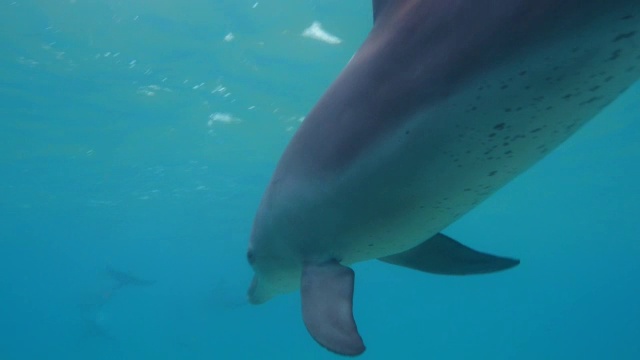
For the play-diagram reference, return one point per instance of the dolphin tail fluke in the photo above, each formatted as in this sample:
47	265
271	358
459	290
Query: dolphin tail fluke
327	307
443	255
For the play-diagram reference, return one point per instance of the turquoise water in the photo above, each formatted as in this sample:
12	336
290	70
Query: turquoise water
139	135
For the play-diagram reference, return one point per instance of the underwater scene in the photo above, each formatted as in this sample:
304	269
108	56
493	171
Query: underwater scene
139	139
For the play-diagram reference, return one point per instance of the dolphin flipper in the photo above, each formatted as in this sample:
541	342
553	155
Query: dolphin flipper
327	304
443	255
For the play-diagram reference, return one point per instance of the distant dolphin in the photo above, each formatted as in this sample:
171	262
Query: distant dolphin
445	102
126	279
122	279
94	328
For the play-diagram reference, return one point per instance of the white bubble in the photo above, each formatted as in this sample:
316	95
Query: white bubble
224	118
316	32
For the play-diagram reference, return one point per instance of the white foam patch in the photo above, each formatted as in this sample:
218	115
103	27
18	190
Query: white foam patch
316	32
229	37
224	118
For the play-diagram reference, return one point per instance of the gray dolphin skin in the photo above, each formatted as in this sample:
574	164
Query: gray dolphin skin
444	103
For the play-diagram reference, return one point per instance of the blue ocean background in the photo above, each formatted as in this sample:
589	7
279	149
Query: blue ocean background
139	136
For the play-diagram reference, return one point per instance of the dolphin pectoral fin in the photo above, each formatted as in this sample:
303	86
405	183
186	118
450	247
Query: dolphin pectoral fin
443	255
327	303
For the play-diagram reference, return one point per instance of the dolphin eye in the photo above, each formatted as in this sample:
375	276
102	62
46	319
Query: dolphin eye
251	257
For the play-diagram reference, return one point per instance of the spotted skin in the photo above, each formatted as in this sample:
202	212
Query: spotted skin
445	102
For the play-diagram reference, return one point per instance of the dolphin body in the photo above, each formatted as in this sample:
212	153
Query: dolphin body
444	103
123	279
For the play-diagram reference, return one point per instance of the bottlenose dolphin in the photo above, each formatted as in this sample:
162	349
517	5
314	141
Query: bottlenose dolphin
444	103
94	327
123	279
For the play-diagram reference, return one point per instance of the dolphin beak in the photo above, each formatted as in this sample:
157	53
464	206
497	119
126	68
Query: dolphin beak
256	293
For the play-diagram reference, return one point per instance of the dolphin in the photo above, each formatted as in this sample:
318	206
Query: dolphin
123	279
444	103
94	327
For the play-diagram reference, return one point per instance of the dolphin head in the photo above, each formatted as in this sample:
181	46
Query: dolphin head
276	272
274	275
258	290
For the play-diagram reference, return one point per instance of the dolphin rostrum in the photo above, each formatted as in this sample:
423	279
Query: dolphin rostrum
444	103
